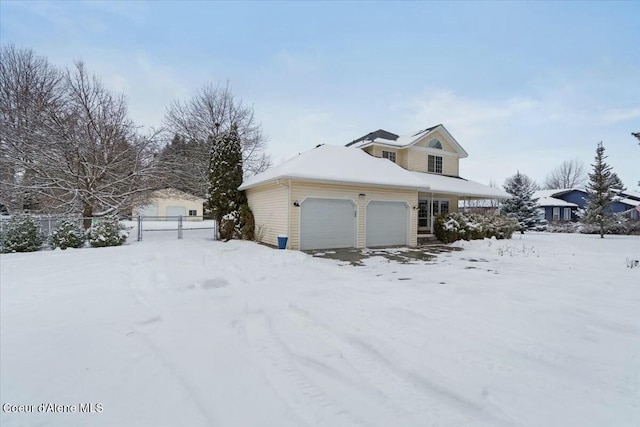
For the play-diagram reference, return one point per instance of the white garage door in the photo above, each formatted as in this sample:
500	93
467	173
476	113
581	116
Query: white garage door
174	211
327	224
387	224
148	210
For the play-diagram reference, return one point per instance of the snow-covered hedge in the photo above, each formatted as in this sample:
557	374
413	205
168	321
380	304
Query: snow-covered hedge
21	234
619	225
458	226
68	234
107	232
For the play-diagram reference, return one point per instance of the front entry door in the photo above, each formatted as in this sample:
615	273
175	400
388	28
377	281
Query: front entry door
428	210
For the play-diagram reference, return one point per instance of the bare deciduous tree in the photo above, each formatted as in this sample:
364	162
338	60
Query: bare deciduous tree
569	174
68	141
30	92
102	163
194	122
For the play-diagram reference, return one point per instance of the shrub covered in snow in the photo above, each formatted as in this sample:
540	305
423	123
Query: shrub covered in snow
68	234
238	224
618	224
107	232
21	234
458	226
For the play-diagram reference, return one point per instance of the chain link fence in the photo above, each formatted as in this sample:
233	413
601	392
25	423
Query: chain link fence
139	227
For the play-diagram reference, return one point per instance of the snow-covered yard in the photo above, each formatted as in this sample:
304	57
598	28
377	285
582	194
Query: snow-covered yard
540	330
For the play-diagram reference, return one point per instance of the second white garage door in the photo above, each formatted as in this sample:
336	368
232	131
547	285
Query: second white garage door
327	224
175	211
387	224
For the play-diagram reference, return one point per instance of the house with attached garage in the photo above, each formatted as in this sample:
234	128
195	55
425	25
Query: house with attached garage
379	190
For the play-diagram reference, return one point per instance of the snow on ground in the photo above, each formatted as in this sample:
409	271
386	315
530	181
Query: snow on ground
540	330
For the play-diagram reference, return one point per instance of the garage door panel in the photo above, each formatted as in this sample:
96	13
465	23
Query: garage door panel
387	224
327	224
148	210
174	211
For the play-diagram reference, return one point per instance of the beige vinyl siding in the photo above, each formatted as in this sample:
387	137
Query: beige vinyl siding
269	204
403	158
301	190
376	151
418	160
450	165
169	197
163	204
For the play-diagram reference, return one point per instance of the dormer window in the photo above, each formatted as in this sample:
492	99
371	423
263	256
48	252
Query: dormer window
391	155
434	143
434	164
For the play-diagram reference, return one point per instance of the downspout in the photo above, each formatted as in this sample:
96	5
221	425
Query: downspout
288	187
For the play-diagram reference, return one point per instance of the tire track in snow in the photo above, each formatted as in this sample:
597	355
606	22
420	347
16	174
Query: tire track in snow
137	274
184	384
408	391
309	402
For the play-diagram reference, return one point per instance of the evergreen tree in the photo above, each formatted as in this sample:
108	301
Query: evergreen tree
599	189
522	206
225	176
616	182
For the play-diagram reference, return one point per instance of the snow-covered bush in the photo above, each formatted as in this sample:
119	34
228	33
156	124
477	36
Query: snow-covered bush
22	234
458	226
617	225
238	224
107	232
228	225
68	234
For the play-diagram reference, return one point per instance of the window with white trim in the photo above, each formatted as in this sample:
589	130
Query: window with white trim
434	143
567	214
391	155
556	214
193	212
435	164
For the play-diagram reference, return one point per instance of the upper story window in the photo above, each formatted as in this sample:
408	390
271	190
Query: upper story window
391	155
435	164
434	143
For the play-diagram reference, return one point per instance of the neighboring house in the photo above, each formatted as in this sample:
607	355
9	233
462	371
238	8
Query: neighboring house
170	203
630	201
379	190
563	204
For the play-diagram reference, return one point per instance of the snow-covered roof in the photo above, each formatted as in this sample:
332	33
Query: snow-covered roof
553	202
404	141
549	193
555	192
630	202
338	164
172	193
631	194
459	186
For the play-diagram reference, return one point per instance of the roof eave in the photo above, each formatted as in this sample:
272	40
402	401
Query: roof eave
330	181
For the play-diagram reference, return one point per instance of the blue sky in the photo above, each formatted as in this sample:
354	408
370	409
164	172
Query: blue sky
521	85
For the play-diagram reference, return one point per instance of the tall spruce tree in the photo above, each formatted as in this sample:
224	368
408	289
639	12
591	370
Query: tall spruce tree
225	176
521	206
599	189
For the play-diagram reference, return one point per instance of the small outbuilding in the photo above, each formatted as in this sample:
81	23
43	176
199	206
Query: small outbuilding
170	203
